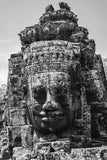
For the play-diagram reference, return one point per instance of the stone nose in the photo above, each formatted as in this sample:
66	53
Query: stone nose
50	104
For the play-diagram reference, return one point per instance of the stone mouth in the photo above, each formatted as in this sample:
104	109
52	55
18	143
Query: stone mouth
56	113
51	116
43	114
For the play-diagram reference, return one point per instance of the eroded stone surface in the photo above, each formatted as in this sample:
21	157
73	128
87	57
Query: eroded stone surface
46	153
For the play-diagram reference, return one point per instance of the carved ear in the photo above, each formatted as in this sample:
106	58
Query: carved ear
25	90
75	69
75	74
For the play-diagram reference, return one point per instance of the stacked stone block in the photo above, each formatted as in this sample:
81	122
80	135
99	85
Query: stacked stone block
15	94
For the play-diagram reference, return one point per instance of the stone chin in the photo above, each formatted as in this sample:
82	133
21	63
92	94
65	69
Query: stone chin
53	120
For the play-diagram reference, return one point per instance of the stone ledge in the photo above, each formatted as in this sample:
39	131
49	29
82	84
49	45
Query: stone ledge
99	153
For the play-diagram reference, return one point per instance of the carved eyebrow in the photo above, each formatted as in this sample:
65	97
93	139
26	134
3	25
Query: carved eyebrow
60	87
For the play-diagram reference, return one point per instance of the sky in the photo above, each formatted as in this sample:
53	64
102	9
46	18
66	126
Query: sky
15	15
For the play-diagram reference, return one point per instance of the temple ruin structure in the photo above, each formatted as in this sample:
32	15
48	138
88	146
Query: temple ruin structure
55	105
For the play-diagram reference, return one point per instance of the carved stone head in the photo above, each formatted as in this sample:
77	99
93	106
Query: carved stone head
49	81
52	105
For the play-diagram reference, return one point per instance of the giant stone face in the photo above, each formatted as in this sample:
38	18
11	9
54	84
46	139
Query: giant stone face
51	97
49	84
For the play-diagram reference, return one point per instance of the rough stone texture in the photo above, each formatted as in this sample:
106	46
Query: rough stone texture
46	153
56	100
27	138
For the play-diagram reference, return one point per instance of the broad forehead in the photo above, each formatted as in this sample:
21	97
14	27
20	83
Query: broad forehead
49	78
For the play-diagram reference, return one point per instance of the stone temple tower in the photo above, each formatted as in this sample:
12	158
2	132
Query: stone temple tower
56	104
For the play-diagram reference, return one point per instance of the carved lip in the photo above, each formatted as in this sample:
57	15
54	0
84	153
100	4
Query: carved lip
51	114
52	118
